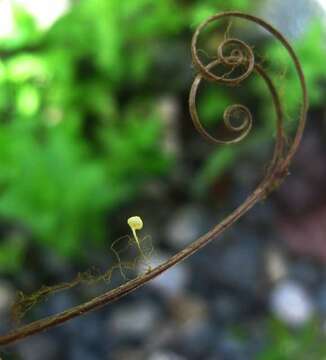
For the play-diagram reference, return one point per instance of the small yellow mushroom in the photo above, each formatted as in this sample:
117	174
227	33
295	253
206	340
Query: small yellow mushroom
135	223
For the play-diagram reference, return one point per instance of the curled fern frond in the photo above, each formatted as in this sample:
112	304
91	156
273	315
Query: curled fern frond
232	54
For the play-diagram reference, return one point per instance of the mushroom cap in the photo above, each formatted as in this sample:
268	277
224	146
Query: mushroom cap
135	222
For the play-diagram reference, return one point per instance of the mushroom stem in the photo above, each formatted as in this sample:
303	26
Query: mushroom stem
145	257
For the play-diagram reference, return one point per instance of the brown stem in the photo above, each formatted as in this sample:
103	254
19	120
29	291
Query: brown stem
277	170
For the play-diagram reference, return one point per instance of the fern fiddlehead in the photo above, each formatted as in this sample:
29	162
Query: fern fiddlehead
240	56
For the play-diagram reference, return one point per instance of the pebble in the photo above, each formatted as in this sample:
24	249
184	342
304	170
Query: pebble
39	347
321	300
227	308
188	310
171	283
197	339
291	303
276	265
186	225
134	320
7	297
240	264
305	273
79	352
164	355
230	348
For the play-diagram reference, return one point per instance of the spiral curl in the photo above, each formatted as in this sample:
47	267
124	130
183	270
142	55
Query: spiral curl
242	57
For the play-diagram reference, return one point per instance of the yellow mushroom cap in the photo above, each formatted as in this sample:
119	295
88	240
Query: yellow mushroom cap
135	222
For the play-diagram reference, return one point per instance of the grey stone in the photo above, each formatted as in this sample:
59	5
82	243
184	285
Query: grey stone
134	320
186	225
227	308
7	296
79	352
164	355
39	347
276	263
305	273
240	264
321	300
291	303
87	328
198	339
230	348
172	282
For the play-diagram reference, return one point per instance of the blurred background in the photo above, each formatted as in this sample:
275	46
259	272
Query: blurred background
95	128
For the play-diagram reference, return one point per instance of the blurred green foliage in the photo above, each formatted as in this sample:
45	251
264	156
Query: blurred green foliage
80	133
288	344
71	150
